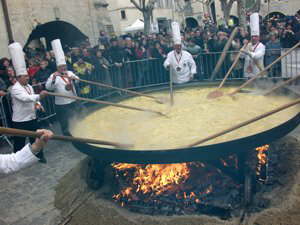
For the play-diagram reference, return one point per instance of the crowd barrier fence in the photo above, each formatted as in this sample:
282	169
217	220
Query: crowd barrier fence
150	72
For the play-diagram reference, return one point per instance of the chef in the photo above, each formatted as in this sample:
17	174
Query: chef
10	163
181	63
62	82
24	101
255	51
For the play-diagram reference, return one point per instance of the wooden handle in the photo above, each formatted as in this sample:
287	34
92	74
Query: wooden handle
236	60
282	84
27	133
105	103
263	71
117	88
223	55
243	124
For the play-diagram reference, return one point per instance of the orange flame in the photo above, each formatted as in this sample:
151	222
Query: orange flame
261	155
262	158
154	178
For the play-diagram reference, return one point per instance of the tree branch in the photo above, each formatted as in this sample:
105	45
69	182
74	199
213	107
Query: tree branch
255	7
151	4
136	5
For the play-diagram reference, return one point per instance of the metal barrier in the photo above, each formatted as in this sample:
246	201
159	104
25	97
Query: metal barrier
150	72
4	117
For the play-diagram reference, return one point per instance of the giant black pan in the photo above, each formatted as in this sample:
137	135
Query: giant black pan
201	153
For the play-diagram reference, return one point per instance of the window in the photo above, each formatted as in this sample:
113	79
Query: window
123	15
109	29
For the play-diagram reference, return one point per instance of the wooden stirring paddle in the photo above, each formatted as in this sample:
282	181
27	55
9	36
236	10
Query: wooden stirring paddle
158	100
217	93
32	134
106	103
245	123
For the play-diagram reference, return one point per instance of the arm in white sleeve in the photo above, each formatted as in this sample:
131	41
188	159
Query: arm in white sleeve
50	85
259	53
167	61
71	74
24	96
10	163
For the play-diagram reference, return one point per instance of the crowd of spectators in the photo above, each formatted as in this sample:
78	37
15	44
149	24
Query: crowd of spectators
106	61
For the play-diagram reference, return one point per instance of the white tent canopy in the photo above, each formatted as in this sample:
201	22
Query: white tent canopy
136	26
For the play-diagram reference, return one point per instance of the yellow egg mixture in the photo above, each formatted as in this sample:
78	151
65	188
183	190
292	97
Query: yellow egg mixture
191	118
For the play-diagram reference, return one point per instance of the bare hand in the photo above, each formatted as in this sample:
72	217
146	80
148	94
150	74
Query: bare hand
2	93
43	94
41	142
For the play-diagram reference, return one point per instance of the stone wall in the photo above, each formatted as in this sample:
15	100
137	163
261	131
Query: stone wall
24	15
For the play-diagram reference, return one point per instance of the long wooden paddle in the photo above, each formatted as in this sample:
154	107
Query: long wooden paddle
282	84
228	130
224	53
217	93
120	89
263	71
32	134
105	103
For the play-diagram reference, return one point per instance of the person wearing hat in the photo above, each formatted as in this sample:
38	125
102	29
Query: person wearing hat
255	51
10	163
181	63
62	82
24	101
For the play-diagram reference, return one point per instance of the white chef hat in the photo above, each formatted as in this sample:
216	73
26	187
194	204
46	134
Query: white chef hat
176	33
16	53
254	24
58	52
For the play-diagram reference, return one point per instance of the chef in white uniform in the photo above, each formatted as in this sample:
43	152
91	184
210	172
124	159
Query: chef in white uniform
14	162
181	63
24	101
255	50
62	82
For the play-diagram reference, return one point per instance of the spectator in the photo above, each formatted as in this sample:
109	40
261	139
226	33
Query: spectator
192	48
157	52
288	38
4	63
117	58
273	51
84	71
33	67
102	65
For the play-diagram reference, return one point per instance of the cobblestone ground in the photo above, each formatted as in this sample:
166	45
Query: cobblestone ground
27	197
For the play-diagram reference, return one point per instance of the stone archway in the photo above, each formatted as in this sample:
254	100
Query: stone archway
278	15
191	22
69	34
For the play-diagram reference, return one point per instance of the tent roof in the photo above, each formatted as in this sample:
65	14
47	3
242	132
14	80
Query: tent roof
137	25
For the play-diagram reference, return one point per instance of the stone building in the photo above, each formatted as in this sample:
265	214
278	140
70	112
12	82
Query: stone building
88	16
190	12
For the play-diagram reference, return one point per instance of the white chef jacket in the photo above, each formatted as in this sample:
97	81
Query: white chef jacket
257	52
10	163
185	62
59	87
23	102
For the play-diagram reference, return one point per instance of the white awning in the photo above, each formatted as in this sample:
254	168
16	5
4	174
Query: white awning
136	26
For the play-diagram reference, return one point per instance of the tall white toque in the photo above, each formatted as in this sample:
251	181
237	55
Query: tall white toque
176	33
254	24
18	59
58	52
